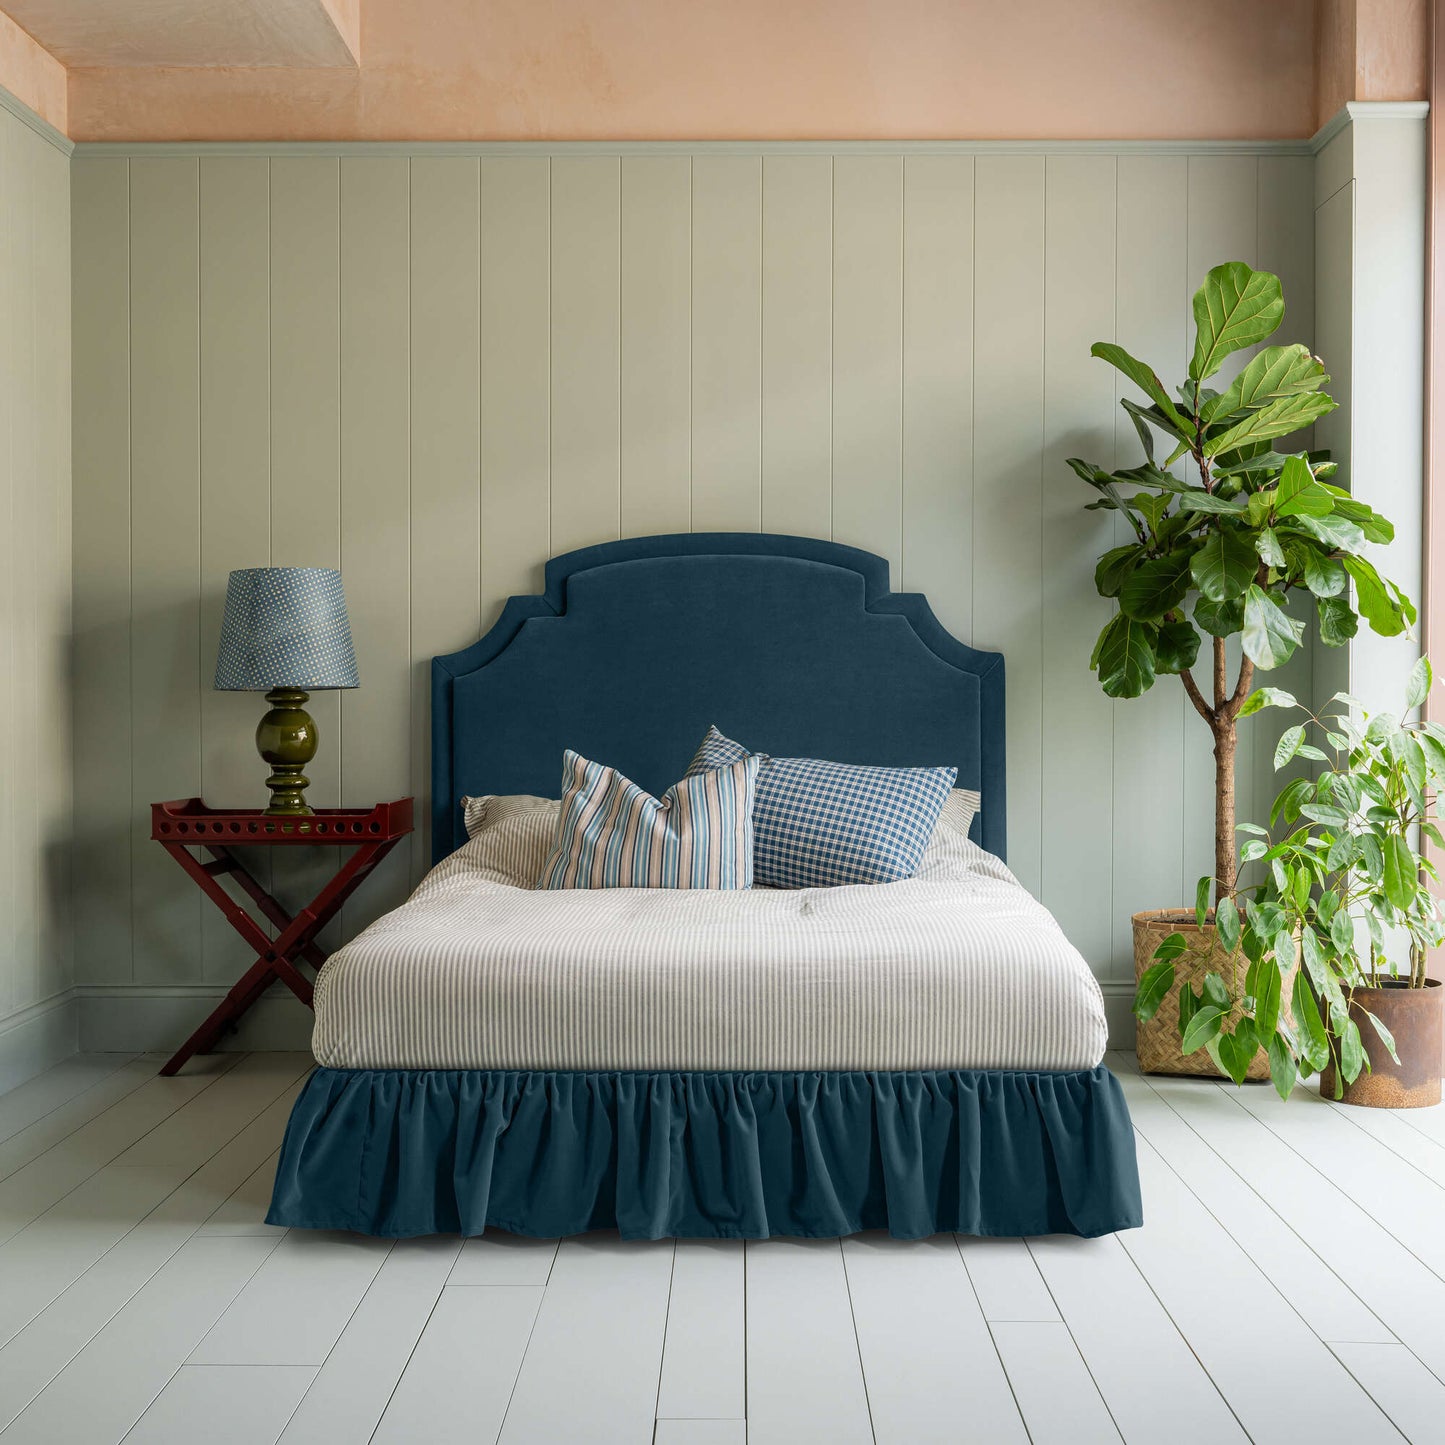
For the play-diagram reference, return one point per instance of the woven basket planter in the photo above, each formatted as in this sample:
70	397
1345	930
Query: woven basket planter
1158	1039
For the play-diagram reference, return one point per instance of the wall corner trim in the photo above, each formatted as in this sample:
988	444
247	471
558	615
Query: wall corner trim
38	124
1354	110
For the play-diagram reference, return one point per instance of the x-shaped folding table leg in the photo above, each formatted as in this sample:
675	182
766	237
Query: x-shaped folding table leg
275	958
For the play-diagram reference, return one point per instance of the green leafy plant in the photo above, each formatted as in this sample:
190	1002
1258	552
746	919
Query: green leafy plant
1343	876
1218	553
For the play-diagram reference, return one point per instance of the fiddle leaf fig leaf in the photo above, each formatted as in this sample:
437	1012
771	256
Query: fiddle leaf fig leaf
1124	657
1144	378
1154	588
1219	619
1298	494
1236	307
1338	622
1281	417
1275	371
1270	634
1114	566
1176	646
1225	565
1323	574
1377	606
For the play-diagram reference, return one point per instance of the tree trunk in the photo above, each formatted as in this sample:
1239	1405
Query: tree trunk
1225	742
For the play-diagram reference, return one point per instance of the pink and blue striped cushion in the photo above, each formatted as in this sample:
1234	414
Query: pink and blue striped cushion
822	825
613	834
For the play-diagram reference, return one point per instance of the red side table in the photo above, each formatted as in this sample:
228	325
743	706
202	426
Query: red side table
188	823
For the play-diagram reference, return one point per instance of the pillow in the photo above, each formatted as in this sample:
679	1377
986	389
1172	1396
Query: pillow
821	825
509	836
959	809
613	834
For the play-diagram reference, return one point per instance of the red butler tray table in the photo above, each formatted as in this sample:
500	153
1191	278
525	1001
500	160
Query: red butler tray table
188	823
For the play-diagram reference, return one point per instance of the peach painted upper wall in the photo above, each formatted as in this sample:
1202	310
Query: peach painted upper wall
750	69
1370	50
32	75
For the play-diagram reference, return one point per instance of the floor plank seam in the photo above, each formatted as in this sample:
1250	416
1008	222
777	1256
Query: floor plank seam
992	1339
1084	1359
341	1334
1310	1164
522	1358
1243	1179
1188	1343
125	1062
666	1317
857	1341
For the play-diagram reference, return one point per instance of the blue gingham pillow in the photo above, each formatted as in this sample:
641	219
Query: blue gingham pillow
818	824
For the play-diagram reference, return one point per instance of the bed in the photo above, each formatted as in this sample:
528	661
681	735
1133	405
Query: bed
919	1056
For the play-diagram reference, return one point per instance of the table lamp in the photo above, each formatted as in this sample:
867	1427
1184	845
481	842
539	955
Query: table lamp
285	633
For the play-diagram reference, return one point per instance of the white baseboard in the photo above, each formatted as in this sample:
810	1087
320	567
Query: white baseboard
37	1038
159	1019
1119	1010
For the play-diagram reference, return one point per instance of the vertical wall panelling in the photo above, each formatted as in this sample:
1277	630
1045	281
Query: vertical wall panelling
306	439
727	343
23	573
938	359
1387	338
868	354
235	452
436	370
376	500
100	192
165	550
1148	732
54	751
1334	234
1008	404
446	609
515	387
1286	246
36	935
586	337
656	356
1223	226
11	837
797	342
1079	270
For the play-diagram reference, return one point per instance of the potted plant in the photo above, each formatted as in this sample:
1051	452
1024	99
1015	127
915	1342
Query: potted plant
1219	552
1344	895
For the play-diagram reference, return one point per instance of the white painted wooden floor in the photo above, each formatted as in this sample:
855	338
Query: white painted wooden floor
1289	1286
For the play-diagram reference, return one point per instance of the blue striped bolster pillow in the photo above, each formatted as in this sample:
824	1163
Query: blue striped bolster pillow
613	834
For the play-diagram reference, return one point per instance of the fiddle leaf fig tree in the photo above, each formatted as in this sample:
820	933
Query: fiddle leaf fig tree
1217	551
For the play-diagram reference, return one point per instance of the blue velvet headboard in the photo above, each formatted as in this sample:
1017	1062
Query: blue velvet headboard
792	646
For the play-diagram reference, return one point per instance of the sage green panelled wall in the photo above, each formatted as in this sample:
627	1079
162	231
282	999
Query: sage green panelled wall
35	571
437	369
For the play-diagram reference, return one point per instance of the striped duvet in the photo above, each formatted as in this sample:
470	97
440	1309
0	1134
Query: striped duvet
956	968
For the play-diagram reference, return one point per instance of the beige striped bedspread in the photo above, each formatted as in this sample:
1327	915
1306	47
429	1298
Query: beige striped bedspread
957	968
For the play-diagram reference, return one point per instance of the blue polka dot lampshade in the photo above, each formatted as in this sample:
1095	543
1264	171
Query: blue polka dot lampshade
285	627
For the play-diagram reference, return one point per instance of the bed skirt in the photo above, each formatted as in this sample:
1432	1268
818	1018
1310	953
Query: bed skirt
401	1152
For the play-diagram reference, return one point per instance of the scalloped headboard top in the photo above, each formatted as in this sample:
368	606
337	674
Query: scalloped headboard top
792	646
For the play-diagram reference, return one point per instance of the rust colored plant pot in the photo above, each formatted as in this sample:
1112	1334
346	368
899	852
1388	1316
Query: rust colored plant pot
1414	1017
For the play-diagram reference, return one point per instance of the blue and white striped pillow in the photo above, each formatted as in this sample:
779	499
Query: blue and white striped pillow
820	825
613	834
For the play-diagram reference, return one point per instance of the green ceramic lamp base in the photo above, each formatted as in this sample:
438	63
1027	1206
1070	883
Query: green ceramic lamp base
286	738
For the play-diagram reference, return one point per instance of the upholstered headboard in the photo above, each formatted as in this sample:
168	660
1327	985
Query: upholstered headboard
792	646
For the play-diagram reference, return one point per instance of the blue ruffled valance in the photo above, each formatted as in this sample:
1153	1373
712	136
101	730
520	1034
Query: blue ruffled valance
709	1155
